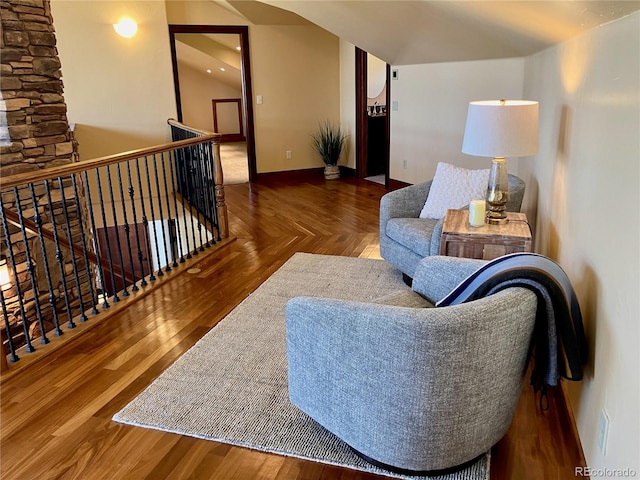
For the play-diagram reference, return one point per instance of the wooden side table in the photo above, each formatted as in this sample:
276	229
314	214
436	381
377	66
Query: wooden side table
486	242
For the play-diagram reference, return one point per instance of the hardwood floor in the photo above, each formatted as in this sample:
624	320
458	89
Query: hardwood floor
56	415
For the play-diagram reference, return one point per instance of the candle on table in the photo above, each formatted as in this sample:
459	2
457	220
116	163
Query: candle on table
477	210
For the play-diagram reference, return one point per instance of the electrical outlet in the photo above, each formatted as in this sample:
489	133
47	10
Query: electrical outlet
288	154
603	431
404	163
394	106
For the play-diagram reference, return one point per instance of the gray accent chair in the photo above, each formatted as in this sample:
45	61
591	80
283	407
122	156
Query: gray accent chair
412	388
405	239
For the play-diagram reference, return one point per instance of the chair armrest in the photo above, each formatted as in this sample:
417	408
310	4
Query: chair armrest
405	202
434	246
435	277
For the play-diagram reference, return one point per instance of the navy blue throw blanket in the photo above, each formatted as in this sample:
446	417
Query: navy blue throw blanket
559	343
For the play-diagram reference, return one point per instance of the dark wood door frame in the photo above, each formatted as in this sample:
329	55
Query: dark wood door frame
234	136
361	116
247	93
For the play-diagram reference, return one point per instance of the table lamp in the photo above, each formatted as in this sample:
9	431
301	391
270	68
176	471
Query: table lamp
500	129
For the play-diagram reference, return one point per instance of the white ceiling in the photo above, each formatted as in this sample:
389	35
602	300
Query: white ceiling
426	31
213	52
404	32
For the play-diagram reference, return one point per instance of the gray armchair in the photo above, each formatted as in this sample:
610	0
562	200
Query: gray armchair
409	387
405	239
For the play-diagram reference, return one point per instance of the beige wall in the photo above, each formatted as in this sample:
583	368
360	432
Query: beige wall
196	92
119	91
583	195
297	74
296	71
432	102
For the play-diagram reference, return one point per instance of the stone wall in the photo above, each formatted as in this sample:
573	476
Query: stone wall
35	135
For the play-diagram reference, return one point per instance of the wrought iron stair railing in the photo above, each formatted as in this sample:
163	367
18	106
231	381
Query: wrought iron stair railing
77	239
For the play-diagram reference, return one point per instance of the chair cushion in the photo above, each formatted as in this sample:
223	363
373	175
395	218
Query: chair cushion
413	233
453	187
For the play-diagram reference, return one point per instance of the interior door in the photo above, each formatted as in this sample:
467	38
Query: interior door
363	141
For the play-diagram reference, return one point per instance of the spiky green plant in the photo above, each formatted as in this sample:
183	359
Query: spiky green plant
328	142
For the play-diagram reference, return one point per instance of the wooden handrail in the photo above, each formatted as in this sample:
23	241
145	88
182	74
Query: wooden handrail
78	167
174	123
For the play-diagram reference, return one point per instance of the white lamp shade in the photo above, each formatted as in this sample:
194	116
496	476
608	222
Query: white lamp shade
501	128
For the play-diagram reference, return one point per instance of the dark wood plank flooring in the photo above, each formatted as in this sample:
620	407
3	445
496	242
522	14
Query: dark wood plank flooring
56	415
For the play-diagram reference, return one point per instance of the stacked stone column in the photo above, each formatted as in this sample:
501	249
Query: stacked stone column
34	135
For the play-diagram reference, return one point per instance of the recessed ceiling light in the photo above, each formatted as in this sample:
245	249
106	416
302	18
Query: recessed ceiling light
208	70
222	69
238	48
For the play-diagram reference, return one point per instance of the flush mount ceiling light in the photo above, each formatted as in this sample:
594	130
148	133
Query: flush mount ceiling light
126	27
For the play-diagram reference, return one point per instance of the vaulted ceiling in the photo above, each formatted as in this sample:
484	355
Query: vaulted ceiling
425	31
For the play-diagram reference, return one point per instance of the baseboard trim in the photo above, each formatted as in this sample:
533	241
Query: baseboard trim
567	417
317	173
396	184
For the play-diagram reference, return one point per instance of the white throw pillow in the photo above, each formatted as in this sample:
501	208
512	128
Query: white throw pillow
453	187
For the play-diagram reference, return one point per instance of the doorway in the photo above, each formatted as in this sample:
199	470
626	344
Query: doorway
372	120
242	34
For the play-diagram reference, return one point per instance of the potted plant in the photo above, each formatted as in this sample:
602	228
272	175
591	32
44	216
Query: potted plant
328	142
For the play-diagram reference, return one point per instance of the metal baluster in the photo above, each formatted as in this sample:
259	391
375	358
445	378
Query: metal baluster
211	192
153	216
59	257
135	222
204	197
105	303
182	168
188	172
52	298
134	287
94	309
30	268
125	292
172	244
198	194
29	346
175	203
106	234
164	235
83	315
12	349
145	222
214	198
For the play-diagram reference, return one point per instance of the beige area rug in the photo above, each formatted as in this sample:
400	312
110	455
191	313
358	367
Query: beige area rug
231	386
234	162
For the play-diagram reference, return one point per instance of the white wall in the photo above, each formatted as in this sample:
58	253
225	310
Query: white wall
348	101
119	91
432	101
583	195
